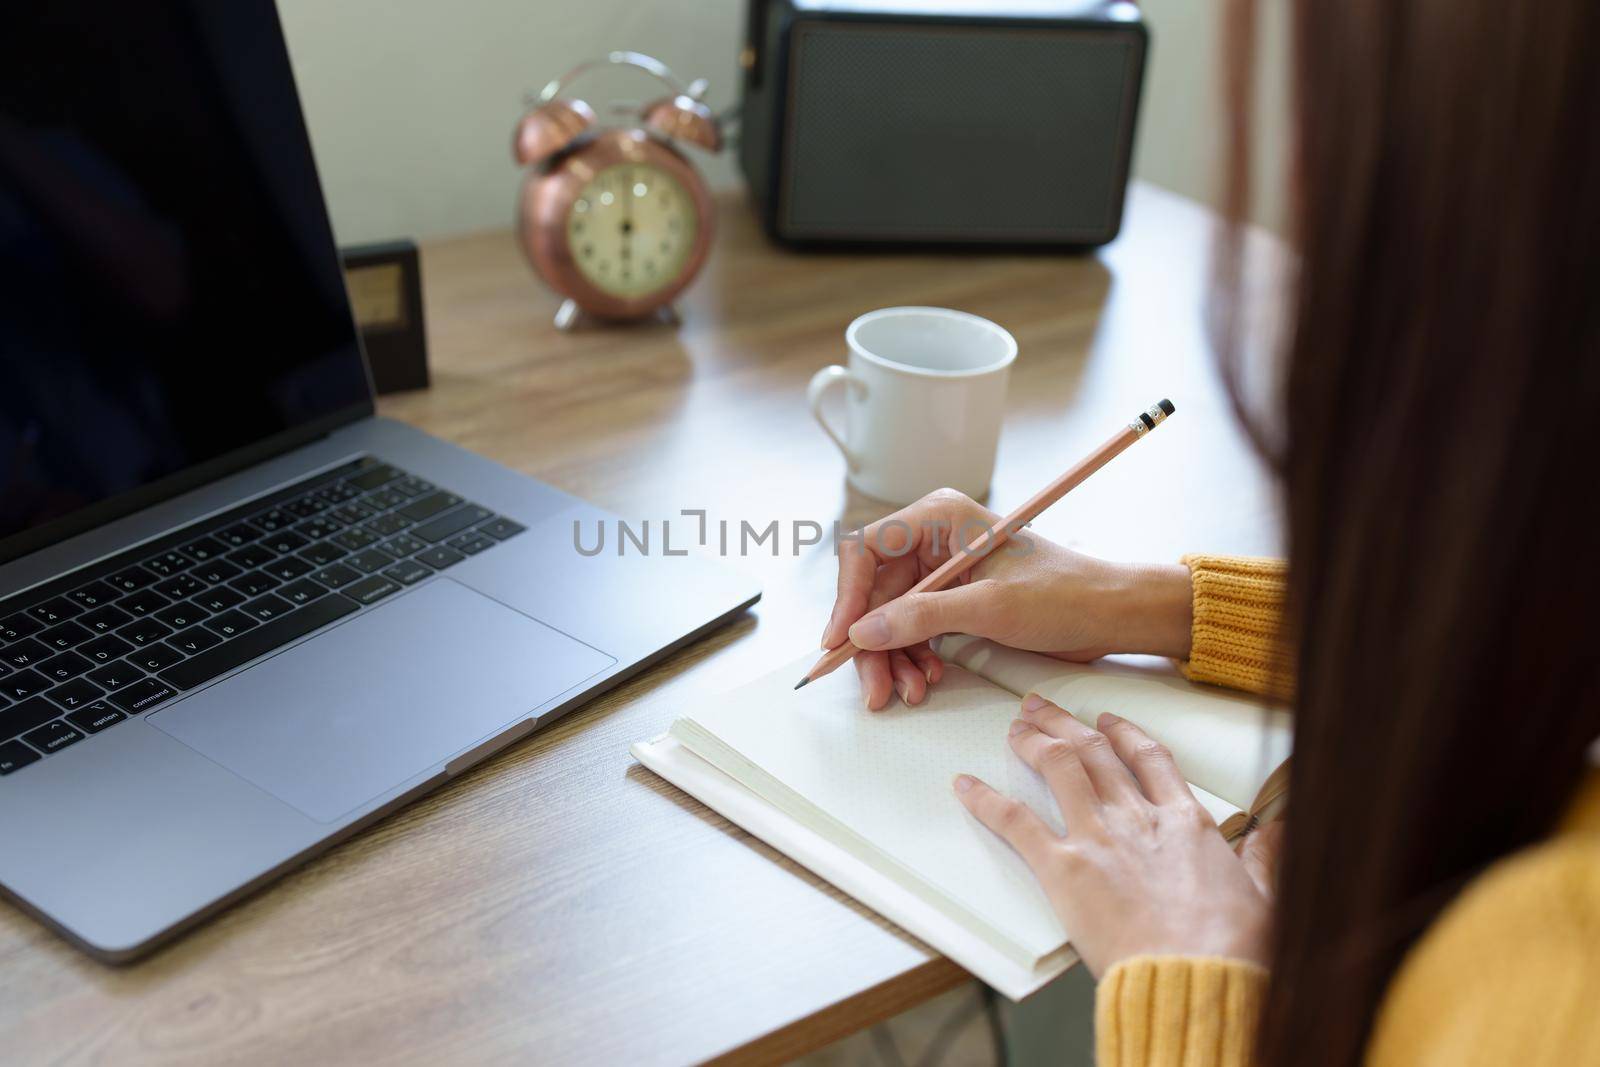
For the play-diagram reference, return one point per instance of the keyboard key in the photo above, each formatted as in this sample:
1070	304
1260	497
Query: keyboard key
194	640
94	594
104	620
450	523
387	525
287	541
370	561
384	499
351	513
230	654
440	557
26	653
183	614
183	586
338	493
411	485
52	737
302	592
76	694
322	553
169	563
373	477
143	695
354	538
64	636
95	717
53	611
472	543
143	602
14	755
220	599
230	623
251	556
254	584
317	529
105	649
18	626
305	506
238	535
116	675
204	549
132	580
336	575
288	568
428	506
20	685
371	589
273	520
156	657
408	571
216	572
143	631
266	608
20	718
65	666
404	545
502	528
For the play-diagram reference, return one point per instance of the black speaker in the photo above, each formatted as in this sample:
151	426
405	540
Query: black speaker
883	122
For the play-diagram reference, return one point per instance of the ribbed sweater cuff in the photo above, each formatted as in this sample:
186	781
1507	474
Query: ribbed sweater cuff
1238	604
1182	1011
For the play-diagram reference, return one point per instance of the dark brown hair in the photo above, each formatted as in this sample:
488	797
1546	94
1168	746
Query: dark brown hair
1442	381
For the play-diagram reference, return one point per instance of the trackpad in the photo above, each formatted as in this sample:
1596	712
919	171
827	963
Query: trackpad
343	718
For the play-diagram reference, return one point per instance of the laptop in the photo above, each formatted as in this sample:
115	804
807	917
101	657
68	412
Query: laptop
240	616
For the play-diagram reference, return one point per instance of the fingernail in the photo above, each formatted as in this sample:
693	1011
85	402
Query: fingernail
904	690
870	632
1018	726
1033	702
963	783
1109	719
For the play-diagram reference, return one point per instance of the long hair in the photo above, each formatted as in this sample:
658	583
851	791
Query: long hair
1442	377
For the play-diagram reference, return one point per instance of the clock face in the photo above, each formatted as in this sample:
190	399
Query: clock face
631	229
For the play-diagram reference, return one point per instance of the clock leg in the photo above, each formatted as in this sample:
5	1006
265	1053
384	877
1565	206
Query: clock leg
568	314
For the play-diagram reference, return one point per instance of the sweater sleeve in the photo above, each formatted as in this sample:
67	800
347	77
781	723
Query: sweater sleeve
1238	605
1178	1011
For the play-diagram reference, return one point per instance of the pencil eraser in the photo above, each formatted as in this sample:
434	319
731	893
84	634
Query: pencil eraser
1166	406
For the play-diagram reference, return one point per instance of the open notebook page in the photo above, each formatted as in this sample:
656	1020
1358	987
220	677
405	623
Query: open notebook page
1225	743
879	783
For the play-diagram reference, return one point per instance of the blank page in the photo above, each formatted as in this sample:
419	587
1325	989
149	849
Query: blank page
879	783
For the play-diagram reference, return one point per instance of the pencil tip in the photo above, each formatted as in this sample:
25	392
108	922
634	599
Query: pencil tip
801	684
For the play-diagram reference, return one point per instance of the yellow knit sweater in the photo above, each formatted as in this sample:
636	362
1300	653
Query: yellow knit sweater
1509	973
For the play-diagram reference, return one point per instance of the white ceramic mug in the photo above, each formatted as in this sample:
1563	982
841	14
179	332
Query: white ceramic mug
924	395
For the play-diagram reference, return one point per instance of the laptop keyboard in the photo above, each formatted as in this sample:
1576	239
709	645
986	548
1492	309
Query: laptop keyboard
116	639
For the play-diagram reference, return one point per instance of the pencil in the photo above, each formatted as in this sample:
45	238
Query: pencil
961	562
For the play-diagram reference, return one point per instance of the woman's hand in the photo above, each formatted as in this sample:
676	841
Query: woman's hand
1142	870
1029	593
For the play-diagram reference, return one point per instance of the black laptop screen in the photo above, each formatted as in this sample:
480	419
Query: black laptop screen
171	304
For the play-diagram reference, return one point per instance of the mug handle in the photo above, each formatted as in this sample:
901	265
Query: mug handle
821	382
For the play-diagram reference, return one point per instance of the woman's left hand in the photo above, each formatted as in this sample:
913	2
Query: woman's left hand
1142	870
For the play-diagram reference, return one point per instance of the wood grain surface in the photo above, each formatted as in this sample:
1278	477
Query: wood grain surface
560	904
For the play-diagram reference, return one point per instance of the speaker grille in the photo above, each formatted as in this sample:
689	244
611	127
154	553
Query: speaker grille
971	133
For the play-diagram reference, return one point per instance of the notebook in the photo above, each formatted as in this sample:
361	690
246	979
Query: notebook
864	800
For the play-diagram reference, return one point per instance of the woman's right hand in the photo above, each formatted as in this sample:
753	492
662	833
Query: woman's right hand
1030	594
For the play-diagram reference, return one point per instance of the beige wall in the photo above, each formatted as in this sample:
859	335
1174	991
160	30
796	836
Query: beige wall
411	102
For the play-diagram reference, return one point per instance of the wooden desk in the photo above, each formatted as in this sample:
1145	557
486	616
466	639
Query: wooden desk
560	904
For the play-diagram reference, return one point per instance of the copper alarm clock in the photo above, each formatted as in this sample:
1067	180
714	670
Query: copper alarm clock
615	219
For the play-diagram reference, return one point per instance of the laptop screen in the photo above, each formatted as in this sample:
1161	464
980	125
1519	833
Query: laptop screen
171	302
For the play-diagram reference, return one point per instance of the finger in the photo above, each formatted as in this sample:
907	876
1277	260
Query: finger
1260	852
1016	823
1112	780
927	661
876	683
1149	761
885	581
1058	763
908	681
918	617
857	569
